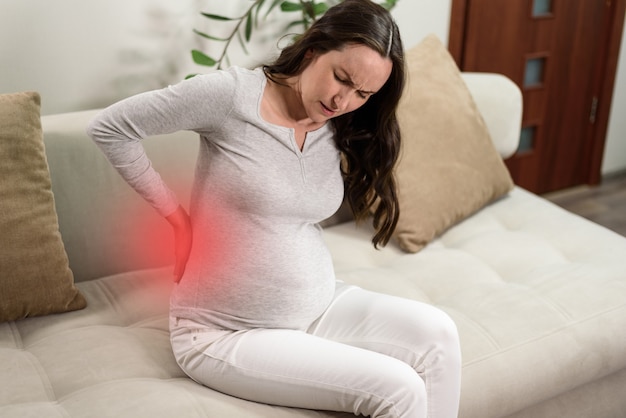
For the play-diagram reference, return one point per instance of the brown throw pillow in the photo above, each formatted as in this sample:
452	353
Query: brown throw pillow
35	278
449	168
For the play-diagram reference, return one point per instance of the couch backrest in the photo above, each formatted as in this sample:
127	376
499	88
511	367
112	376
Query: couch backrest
107	228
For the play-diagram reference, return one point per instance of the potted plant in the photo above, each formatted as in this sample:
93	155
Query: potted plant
243	26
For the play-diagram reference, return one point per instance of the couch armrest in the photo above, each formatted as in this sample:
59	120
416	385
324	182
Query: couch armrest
499	100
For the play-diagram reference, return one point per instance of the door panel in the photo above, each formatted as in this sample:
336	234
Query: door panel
558	58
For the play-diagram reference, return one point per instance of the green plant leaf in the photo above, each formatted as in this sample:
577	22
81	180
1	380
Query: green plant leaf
296	23
288	6
249	26
272	7
217	17
242	43
207	36
258	6
320	8
201	58
389	4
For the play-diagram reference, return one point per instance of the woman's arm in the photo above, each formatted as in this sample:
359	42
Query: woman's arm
197	104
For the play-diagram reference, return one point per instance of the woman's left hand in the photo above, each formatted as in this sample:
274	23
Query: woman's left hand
183	237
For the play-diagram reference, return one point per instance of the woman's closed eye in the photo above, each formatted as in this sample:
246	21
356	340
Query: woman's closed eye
349	83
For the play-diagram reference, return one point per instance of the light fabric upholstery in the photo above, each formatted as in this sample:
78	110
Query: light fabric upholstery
538	295
533	289
112	359
449	167
530	332
499	101
98	210
35	278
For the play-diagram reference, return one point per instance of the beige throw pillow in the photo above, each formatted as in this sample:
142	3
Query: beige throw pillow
35	278
449	167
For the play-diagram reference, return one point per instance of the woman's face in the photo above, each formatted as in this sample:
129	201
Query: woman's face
340	81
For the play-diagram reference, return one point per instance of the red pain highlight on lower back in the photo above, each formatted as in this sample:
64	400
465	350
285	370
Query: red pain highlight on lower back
213	243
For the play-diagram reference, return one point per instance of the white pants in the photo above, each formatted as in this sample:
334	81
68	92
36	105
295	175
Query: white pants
368	354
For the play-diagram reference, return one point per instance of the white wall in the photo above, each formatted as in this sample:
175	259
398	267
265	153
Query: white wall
615	147
85	54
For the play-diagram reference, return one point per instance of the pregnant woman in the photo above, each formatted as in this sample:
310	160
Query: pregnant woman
257	312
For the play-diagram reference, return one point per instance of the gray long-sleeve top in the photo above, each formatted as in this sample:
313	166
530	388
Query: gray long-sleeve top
258	258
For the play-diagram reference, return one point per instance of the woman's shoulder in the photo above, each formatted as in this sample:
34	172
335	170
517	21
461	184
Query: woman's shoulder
232	77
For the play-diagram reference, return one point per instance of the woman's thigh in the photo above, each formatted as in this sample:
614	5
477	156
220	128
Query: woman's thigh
296	369
418	334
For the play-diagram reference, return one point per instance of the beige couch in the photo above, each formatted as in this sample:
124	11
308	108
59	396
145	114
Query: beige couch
538	294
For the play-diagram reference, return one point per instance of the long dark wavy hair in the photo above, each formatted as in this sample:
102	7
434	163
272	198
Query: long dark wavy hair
369	137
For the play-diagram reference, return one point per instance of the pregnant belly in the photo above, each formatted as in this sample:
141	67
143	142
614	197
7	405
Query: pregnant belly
269	283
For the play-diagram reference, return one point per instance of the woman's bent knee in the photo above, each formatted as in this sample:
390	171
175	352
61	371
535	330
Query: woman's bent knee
408	397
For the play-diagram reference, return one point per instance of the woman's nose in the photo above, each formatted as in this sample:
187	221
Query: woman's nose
340	101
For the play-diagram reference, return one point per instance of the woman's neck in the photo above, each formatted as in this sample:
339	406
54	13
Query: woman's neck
283	104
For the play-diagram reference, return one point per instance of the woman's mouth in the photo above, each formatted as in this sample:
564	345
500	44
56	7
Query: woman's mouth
327	111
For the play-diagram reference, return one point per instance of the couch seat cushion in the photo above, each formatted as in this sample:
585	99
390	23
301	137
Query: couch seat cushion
112	359
539	314
538	295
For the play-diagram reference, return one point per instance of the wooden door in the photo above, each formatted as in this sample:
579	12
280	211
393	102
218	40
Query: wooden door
562	54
